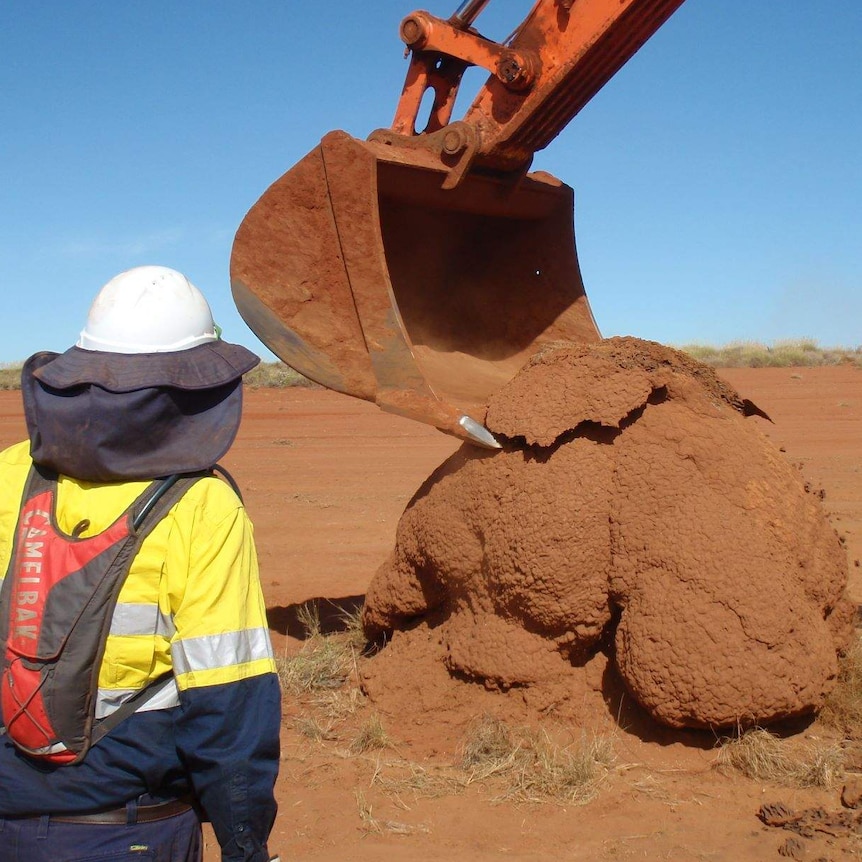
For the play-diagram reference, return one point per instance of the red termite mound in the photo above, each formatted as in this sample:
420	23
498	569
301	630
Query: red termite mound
633	511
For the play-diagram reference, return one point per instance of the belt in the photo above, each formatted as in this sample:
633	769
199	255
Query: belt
120	816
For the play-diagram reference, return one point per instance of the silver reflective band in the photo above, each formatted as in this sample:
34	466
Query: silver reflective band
56	748
141	619
223	650
111	699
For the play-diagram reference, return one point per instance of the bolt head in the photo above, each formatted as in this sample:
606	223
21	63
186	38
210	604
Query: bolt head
453	142
411	30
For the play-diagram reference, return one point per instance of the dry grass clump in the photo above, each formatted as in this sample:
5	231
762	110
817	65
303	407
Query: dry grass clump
761	755
322	663
314	727
370	737
320	679
376	826
398	778
803	352
507	764
531	767
490	747
843	707
325	662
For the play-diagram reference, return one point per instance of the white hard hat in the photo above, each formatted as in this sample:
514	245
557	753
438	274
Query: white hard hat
149	309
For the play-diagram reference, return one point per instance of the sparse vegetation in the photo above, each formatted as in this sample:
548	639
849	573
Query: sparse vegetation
803	352
267	375
843	708
398	778
523	764
505	764
10	377
762	756
325	662
322	663
518	764
314	728
373	825
371	737
276	375
530	767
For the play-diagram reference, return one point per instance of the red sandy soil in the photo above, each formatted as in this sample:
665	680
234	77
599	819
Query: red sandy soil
326	478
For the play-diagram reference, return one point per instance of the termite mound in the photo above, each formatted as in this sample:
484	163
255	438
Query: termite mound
634	514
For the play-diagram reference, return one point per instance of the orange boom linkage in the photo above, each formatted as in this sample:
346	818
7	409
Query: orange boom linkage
421	268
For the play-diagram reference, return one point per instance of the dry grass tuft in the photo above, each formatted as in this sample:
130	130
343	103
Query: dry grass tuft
325	662
760	755
311	727
843	707
401	777
531	767
353	632
374	826
338	704
308	616
511	764
371	737
490	748
322	663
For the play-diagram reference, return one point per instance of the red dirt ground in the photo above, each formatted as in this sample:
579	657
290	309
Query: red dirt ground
326	478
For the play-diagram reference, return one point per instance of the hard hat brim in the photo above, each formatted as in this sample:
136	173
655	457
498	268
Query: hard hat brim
205	366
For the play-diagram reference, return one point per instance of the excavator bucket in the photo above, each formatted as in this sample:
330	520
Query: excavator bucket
420	269
360	271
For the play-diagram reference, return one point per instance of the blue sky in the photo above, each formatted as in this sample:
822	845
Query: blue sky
718	176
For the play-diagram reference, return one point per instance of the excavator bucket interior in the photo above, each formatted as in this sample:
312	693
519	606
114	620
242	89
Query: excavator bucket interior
421	269
358	270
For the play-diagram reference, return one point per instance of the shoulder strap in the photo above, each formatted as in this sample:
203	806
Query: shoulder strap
39	479
217	468
133	704
164	494
146	512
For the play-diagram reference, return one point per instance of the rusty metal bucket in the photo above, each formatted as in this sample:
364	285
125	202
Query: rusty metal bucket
358	270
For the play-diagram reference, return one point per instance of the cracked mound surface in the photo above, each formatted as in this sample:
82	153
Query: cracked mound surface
633	511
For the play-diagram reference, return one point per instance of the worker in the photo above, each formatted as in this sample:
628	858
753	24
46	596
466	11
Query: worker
138	690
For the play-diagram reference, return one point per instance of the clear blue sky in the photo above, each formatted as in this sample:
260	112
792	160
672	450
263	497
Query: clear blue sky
718	176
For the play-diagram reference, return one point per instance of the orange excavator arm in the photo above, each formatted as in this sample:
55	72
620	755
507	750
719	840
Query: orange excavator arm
556	60
421	268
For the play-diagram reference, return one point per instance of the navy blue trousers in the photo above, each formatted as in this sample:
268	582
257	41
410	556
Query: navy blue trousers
41	839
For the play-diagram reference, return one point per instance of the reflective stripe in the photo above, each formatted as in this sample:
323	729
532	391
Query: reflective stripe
111	699
139	619
222	650
56	748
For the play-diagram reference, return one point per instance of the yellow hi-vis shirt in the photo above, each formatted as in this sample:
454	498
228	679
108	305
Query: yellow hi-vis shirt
192	602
